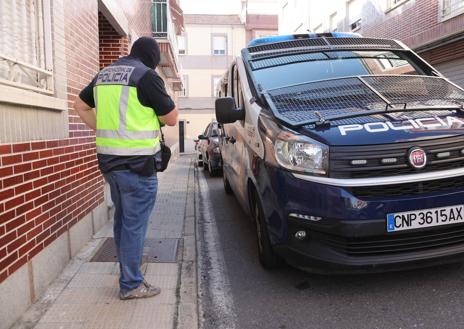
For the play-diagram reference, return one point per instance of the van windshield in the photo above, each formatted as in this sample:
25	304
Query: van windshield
282	71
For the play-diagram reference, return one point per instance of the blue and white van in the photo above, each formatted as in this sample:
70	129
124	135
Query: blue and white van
348	153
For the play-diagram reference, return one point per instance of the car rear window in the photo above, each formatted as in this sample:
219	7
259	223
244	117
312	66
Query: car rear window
282	71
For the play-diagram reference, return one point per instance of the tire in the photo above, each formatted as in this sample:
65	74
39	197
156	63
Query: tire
205	164
210	170
226	183
267	256
213	172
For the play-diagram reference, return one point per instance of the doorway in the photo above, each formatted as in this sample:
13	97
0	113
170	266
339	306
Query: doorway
181	136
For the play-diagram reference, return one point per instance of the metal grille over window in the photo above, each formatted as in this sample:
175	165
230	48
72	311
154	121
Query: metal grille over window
318	101
319	44
25	45
416	91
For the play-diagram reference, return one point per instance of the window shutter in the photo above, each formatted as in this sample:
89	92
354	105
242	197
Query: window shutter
219	44
181	44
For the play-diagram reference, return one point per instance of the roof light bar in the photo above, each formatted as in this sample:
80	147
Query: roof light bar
310	35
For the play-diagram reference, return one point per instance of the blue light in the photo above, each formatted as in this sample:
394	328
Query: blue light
346	35
277	38
311	35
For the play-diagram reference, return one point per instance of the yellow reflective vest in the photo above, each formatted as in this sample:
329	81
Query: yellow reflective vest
124	126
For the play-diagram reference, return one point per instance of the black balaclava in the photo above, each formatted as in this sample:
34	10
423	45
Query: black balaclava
147	50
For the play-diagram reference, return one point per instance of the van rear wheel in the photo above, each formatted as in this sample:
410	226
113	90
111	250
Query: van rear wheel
267	256
226	183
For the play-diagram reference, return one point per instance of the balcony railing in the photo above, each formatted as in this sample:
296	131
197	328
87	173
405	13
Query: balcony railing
166	19
159	18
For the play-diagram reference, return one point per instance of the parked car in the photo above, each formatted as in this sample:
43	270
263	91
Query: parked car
209	154
347	152
198	153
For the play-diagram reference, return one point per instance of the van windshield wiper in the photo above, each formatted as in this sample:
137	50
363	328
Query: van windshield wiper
320	102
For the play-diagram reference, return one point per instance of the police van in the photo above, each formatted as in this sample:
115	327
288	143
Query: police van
346	151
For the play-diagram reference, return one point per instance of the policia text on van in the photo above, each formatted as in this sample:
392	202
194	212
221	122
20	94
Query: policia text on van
347	152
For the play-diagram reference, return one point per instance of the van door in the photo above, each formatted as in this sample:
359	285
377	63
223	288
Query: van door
235	143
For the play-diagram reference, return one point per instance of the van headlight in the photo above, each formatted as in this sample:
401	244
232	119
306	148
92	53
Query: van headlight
301	153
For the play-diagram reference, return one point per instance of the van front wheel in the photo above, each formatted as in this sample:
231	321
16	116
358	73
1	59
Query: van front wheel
267	256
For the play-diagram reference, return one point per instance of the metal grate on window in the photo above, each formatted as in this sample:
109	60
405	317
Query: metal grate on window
311	101
320	101
25	45
417	91
319	44
284	60
297	43
361	43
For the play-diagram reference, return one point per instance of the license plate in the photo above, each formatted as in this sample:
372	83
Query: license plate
410	220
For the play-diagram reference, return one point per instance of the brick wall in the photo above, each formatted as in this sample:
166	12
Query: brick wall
111	44
48	186
138	14
415	22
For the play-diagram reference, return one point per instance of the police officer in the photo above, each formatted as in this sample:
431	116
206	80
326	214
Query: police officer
130	103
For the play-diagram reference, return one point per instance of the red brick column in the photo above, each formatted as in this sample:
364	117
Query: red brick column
111	44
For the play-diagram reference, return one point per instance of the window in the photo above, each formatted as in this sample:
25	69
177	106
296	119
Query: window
236	89
219	44
205	133
354	14
26	45
215	80
182	44
356	25
450	8
333	64
184	91
159	18
392	4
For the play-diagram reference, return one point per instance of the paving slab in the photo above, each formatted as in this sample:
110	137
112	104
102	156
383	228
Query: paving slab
90	297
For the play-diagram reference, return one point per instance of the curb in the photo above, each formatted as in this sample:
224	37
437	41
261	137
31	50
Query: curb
187	308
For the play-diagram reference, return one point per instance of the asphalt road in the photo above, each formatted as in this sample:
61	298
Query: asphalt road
236	292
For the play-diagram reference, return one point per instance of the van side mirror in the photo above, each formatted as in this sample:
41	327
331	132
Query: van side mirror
226	111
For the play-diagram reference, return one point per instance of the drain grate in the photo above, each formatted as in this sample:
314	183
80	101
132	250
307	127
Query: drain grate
154	251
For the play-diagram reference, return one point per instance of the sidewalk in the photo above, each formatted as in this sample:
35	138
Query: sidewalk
86	293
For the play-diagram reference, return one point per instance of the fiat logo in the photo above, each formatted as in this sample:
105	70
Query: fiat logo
417	157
